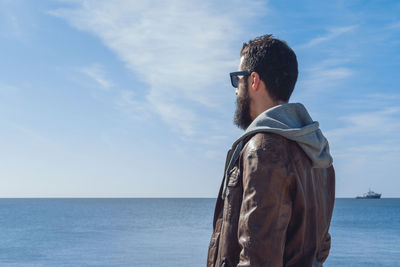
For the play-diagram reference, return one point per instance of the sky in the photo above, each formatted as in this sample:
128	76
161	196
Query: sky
133	99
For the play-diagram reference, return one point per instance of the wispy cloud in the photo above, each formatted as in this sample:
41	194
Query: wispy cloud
332	68
320	77
378	114
371	131
127	102
17	21
395	25
382	124
331	34
377	100
16	28
366	148
6	89
96	73
181	49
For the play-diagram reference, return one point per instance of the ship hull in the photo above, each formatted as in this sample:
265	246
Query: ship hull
370	197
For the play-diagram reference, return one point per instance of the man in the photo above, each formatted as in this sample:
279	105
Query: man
276	200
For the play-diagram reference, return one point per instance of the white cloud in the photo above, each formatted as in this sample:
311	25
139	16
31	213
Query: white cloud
213	154
16	28
182	49
394	26
332	69
319	78
127	102
97	73
379	100
17	21
6	89
380	127
366	148
332	33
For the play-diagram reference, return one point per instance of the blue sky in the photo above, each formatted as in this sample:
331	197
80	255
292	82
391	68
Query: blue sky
133	99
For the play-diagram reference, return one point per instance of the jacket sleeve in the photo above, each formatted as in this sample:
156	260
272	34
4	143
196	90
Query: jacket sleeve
324	248
266	205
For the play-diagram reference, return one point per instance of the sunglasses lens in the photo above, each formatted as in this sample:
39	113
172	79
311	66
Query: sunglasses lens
235	81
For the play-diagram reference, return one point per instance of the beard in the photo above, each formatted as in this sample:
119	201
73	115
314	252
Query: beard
242	117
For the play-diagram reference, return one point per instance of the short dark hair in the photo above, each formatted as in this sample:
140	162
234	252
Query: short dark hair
274	61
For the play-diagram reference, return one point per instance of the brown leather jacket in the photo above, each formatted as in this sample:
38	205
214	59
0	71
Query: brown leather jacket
277	208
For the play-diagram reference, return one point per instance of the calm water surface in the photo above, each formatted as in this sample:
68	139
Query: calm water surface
168	232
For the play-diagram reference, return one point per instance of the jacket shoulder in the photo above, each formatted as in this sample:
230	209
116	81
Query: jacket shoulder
265	140
268	147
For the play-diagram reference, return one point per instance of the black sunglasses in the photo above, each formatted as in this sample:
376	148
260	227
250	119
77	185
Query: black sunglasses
235	78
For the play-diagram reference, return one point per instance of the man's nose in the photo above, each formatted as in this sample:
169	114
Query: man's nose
236	91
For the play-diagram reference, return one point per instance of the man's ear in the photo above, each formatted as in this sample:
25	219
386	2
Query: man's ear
255	81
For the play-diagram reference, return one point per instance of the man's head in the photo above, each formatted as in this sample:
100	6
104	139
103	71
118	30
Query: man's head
271	67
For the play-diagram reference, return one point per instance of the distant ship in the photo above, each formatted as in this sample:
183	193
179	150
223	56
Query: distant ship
370	194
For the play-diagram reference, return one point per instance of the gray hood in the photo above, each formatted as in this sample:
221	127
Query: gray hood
293	122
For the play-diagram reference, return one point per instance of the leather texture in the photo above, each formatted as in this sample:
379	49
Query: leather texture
277	208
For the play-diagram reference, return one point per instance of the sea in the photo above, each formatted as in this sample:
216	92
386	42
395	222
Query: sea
169	232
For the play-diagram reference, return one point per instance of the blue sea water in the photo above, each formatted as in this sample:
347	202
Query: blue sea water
168	232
